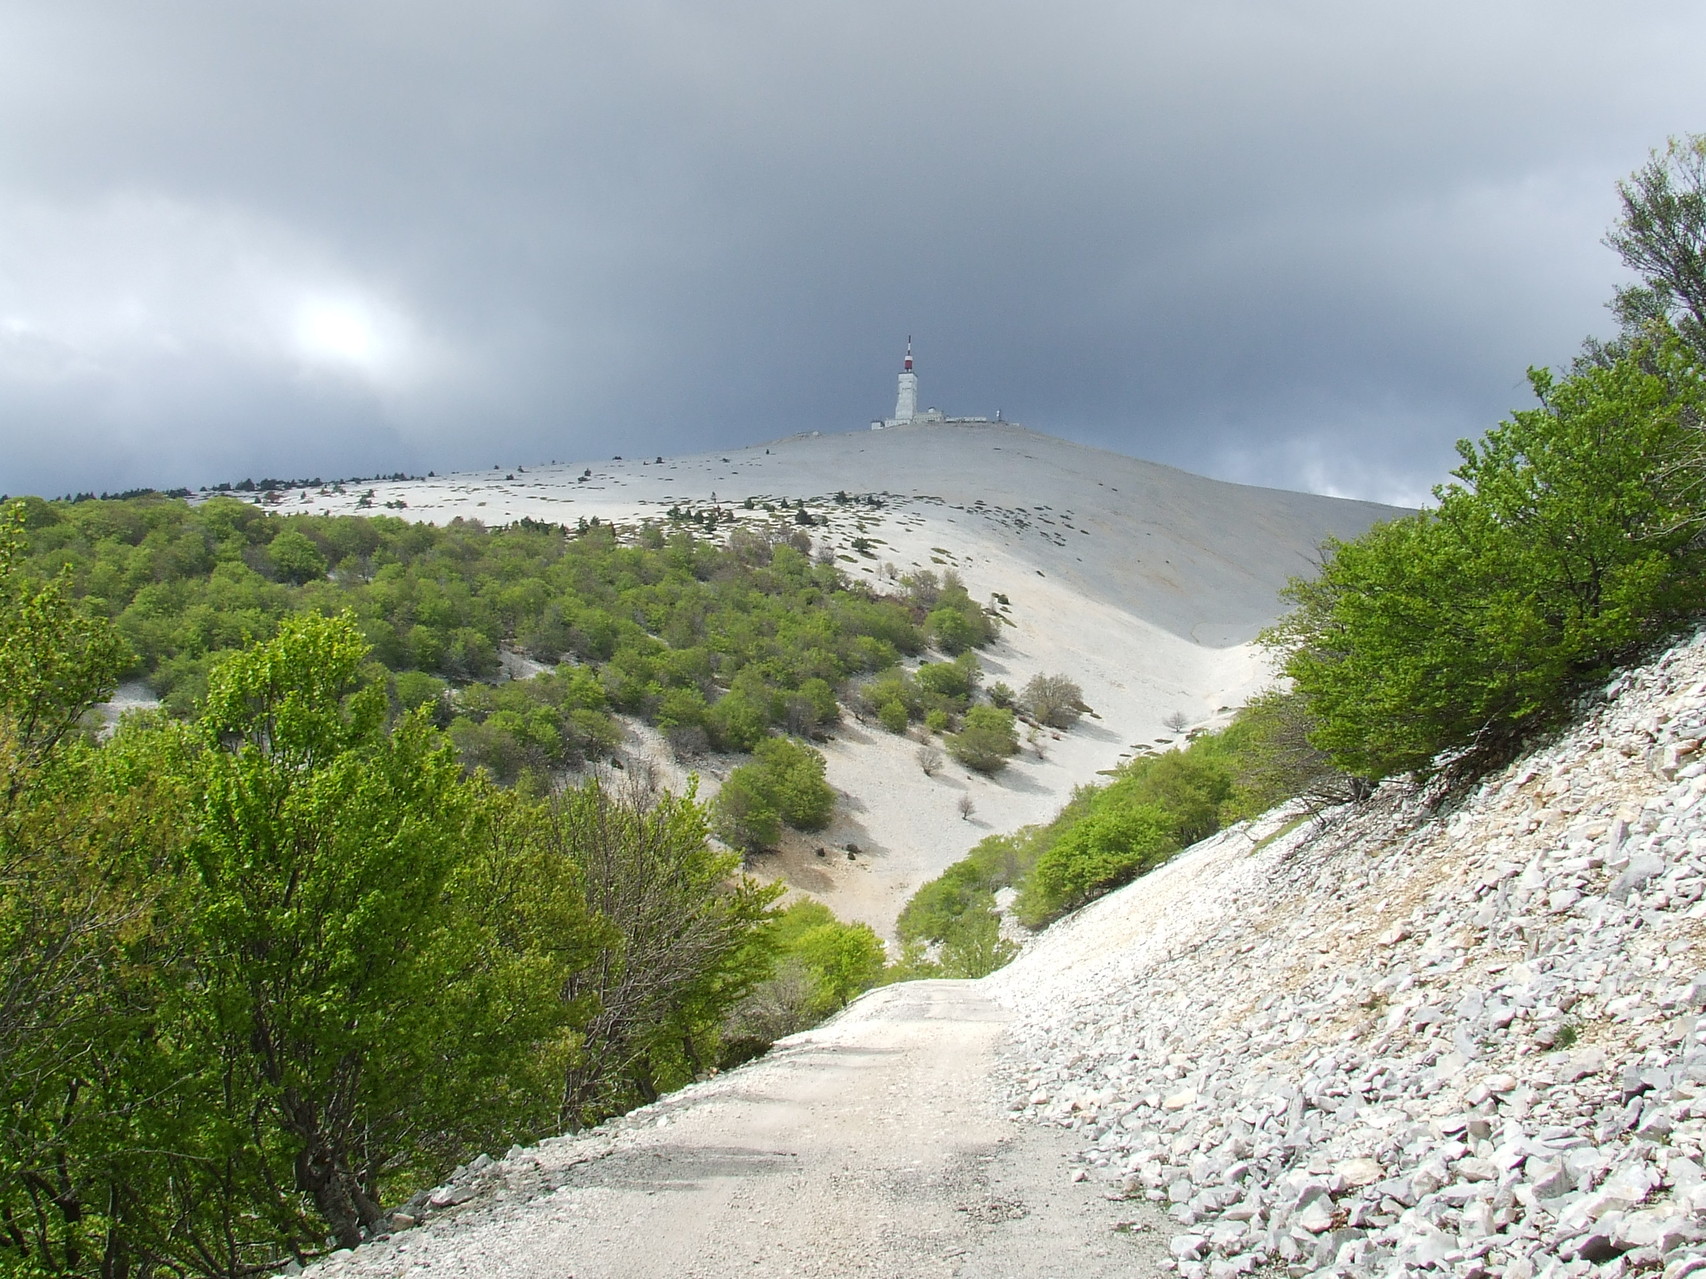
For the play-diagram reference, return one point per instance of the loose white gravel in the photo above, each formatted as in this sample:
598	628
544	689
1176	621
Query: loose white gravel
1420	1037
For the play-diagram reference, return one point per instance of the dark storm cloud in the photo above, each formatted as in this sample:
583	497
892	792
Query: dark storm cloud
1302	244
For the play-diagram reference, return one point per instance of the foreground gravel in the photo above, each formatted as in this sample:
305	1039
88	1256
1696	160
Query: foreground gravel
1462	1040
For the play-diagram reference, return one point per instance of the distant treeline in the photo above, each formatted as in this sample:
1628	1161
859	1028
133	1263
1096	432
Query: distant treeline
718	644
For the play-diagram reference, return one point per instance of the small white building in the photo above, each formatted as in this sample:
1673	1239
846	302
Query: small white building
906	403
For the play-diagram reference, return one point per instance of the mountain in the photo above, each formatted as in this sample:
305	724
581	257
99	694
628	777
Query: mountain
1142	583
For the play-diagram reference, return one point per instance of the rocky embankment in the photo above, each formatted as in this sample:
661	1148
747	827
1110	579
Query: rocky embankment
1461	1038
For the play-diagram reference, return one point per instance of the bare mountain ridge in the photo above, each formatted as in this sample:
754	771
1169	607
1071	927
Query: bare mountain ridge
1200	558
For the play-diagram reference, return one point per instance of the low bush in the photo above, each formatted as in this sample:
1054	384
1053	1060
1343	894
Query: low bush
821	963
783	785
987	739
892	716
1053	700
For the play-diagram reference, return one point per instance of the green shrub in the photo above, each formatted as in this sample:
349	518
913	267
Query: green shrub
552	722
295	558
996	862
1567	540
956	622
783	784
737	722
745	814
803	798
986	740
682	706
414	689
821	964
843	959
1107	847
892	716
974	946
957	679
953	631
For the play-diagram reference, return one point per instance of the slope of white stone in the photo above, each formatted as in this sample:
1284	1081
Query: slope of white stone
1462	1041
1140	582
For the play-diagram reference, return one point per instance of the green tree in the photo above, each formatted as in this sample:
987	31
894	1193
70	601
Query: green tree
351	973
59	658
820	964
784	783
953	630
1661	235
78	889
746	810
691	939
296	558
796	777
1569	538
974	946
1108	847
956	680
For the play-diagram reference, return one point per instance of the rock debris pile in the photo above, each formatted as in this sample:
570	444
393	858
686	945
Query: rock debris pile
1460	1039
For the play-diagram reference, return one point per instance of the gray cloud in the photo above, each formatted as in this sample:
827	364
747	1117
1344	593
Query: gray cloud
1306	244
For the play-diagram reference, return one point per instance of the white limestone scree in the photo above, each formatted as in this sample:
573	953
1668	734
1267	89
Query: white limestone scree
906	403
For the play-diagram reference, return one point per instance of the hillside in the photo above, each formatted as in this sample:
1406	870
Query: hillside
1142	583
1455	1039
1197	558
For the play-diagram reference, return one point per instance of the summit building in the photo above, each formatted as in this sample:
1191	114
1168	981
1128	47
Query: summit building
906	403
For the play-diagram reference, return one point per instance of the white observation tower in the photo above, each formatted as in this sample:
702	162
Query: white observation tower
906	403
906	400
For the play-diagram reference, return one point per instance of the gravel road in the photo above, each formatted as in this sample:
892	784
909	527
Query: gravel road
874	1145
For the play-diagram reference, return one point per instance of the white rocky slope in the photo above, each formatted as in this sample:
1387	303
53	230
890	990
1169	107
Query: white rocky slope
1466	1041
1140	582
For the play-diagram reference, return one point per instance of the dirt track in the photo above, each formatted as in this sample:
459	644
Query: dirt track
872	1146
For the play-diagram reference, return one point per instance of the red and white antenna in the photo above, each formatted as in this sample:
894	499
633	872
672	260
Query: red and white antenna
907	367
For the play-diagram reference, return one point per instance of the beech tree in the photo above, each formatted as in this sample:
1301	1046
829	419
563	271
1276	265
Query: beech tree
691	939
1572	534
1661	235
784	784
73	891
357	969
986	741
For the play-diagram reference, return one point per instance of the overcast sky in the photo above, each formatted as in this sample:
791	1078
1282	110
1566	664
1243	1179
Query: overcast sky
1303	244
